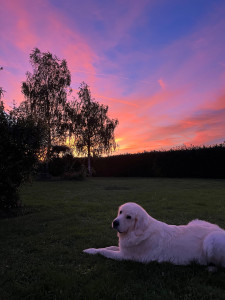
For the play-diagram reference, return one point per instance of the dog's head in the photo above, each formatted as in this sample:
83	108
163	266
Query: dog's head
131	218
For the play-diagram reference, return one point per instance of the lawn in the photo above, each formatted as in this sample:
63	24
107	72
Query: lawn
41	252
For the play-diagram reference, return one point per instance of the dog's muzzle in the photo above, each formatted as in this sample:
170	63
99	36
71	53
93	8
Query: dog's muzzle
115	224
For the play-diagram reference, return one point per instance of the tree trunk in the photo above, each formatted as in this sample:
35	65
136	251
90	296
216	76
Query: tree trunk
89	161
49	145
49	134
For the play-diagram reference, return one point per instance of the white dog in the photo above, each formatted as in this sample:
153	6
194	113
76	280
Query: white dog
144	239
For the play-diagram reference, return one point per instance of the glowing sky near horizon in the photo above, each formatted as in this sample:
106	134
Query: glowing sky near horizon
158	64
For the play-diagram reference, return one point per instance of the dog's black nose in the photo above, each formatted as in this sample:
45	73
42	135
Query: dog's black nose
116	223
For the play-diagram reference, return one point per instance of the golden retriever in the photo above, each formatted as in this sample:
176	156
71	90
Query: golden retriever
144	239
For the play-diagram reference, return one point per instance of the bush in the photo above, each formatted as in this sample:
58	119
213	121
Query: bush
56	166
20	141
67	167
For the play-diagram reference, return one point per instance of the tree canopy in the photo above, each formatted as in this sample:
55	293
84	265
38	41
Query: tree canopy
94	130
46	92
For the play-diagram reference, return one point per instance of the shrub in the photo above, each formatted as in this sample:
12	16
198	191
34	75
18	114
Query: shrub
20	141
67	167
56	166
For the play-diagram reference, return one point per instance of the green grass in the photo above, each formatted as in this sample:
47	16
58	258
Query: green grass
41	253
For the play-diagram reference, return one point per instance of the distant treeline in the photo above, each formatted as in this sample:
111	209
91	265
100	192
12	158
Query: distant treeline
205	162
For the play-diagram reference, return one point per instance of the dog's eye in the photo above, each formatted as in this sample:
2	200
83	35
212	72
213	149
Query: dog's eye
120	212
128	217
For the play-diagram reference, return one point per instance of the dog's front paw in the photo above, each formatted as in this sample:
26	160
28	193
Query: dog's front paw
91	251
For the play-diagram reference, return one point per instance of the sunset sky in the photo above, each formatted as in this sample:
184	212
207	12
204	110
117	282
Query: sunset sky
158	64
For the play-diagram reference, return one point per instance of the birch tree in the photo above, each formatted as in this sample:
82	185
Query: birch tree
94	130
46	92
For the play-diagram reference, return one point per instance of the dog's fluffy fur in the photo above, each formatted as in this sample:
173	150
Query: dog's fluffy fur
144	239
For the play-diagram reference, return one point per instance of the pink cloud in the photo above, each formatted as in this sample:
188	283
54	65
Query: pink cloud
18	31
24	32
162	84
204	126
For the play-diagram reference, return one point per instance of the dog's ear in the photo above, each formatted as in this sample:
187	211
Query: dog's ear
140	225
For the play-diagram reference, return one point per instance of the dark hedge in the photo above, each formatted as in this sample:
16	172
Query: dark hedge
204	162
